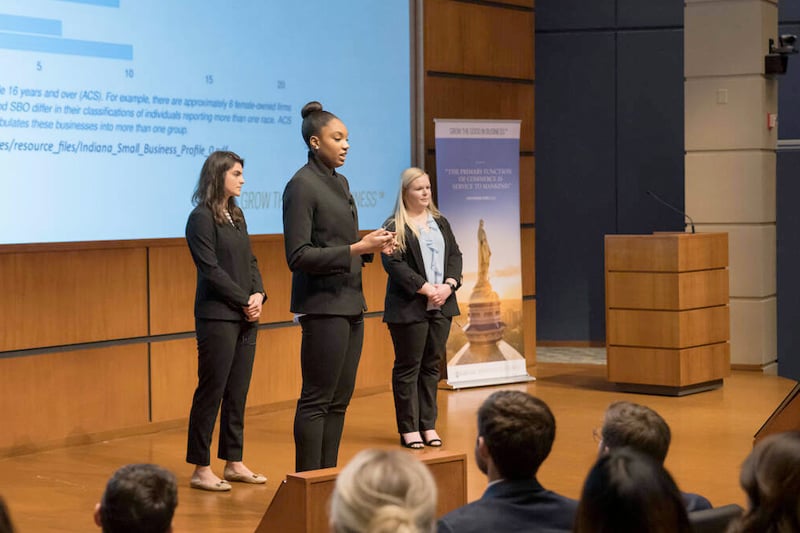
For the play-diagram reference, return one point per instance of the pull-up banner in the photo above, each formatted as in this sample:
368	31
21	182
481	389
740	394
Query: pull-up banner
477	176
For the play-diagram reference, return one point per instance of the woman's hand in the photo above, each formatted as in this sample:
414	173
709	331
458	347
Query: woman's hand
372	242
441	292
253	308
435	293
390	248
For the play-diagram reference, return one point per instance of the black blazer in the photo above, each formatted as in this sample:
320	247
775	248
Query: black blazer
320	222
227	270
407	274
513	506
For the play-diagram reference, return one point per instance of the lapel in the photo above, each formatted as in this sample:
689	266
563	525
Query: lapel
416	252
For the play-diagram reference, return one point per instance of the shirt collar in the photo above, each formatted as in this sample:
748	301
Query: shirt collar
318	166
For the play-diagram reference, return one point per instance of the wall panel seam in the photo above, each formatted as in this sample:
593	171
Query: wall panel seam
500	5
479	77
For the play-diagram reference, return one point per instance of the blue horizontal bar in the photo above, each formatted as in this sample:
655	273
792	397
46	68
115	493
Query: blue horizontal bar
30	25
54	45
104	3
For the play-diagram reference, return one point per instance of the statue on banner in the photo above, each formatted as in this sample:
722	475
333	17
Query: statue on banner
484	255
486	327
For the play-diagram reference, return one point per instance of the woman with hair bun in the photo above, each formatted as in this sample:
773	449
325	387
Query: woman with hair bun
325	254
382	491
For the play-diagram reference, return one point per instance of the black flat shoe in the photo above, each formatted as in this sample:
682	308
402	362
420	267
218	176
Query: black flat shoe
415	445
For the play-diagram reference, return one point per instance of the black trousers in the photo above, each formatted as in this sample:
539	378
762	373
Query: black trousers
418	349
329	355
225	354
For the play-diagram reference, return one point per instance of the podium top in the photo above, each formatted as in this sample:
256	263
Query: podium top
666	252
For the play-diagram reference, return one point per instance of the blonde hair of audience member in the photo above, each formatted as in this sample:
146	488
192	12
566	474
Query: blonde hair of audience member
383	491
401	218
771	478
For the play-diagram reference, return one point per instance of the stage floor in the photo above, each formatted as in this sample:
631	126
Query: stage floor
56	490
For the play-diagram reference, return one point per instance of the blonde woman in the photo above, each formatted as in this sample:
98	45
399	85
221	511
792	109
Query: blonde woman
383	491
424	274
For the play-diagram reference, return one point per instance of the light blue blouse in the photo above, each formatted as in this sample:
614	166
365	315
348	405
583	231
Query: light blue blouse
431	244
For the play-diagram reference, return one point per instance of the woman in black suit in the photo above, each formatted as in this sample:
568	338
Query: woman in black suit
227	307
325	255
424	273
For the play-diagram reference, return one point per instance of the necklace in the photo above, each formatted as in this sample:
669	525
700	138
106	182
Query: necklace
228	216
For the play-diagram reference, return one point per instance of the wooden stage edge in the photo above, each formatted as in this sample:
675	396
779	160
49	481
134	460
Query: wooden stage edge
712	433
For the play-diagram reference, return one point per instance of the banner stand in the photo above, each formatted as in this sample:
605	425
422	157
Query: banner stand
477	168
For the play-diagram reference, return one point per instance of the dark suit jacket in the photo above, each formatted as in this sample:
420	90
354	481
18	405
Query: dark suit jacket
227	270
320	222
513	506
695	502
407	274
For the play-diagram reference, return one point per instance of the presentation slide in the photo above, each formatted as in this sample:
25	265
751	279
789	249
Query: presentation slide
108	108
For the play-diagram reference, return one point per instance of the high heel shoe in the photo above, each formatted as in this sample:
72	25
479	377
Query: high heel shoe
435	442
414	445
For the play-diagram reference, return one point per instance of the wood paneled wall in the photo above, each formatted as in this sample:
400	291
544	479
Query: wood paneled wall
98	342
97	339
479	63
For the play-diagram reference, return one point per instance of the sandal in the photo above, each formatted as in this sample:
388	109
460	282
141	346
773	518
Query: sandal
414	445
435	442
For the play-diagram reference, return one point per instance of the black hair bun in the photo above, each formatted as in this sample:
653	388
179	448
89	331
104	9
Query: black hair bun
310	107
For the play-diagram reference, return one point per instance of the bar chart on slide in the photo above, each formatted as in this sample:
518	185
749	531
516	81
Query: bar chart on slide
115	99
45	35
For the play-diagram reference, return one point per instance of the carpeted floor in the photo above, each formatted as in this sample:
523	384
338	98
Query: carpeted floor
566	354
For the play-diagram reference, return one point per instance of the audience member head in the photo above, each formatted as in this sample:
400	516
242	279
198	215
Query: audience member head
628	491
635	426
771	478
5	518
515	435
383	491
138	498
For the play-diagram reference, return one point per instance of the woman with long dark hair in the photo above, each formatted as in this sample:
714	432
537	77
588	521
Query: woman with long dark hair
771	478
629	492
228	304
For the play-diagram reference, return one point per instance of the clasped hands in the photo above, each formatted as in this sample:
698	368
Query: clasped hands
437	293
253	308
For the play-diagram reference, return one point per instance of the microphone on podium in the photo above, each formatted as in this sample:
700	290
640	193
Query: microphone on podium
664	202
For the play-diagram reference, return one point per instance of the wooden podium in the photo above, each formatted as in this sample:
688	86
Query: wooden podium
667	314
301	503
785	418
